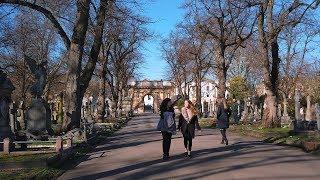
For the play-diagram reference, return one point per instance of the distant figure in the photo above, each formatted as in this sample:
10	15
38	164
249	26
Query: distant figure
188	122
223	114
167	124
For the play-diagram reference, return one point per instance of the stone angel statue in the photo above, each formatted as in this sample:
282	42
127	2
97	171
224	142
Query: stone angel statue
40	73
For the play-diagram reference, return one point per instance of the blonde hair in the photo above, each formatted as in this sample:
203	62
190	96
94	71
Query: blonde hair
222	102
192	108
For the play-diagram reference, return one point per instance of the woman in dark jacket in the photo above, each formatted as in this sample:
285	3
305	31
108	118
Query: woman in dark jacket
167	124
223	114
188	122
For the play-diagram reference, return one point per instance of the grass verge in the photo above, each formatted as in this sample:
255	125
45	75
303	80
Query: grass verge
280	136
56	170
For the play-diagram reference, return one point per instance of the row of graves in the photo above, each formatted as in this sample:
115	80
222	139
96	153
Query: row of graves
305	118
38	126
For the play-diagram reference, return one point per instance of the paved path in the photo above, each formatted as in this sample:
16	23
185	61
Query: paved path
135	153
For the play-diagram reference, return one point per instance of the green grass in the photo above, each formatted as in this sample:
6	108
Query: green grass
258	131
55	171
281	136
26	157
32	173
207	123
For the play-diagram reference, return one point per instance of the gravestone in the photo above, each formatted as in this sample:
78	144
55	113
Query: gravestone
285	119
13	117
302	114
21	115
39	113
60	110
297	98
245	112
6	88
256	113
308	110
37	116
317	108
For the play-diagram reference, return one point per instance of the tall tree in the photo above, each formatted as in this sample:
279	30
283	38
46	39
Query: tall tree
272	20
78	75
226	23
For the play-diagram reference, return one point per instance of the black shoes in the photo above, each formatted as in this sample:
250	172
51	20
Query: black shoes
165	157
225	141
185	154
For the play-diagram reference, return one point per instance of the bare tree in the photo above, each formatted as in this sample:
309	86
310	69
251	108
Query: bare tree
227	25
272	21
78	76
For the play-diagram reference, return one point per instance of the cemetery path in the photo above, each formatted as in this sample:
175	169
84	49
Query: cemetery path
135	152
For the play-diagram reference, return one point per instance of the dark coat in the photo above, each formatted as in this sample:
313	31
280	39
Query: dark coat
163	126
188	129
223	117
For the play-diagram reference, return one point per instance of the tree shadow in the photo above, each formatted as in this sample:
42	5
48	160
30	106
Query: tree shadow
238	150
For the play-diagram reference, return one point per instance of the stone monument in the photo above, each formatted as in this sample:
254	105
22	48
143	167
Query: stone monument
317	109
297	98
39	113
6	88
285	119
308	110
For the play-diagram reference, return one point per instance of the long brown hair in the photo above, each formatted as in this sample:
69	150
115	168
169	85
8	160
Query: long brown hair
192	108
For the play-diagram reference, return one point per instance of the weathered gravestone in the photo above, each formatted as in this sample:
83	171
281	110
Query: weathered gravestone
317	109
39	113
308	110
285	119
38	116
6	88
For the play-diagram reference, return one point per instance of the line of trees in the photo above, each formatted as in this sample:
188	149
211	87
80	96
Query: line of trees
265	41
83	41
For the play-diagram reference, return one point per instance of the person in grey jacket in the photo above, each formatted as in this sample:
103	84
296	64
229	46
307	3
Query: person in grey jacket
223	114
167	124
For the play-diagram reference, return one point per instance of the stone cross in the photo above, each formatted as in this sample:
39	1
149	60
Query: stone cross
297	97
13	117
302	117
308	110
285	119
317	108
21	116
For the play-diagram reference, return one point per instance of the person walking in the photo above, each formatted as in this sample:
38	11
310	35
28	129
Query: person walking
167	124
188	122
223	114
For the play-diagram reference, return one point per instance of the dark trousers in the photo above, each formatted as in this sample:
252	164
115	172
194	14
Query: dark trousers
223	133
187	142
166	142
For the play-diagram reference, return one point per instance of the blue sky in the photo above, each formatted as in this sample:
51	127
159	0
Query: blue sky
165	14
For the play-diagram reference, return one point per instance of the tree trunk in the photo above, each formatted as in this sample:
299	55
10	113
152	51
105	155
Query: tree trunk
73	97
119	109
270	117
221	73
198	94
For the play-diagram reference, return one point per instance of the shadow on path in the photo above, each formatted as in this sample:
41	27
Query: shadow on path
201	157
